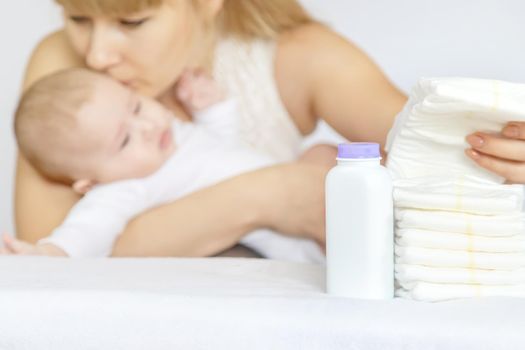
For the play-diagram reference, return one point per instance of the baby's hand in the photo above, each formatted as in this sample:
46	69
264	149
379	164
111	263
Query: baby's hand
197	91
13	246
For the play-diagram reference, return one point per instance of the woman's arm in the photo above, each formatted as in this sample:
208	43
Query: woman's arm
216	218
40	205
322	75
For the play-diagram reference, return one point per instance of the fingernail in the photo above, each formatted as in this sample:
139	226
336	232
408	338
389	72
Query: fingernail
475	141
511	131
473	154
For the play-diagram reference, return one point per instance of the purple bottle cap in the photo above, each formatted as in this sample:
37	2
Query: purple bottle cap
358	150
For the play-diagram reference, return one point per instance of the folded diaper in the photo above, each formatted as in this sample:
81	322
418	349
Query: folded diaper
457	241
408	275
440	291
485	225
463	194
458	258
428	138
460	232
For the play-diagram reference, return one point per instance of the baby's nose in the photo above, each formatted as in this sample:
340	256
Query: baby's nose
148	129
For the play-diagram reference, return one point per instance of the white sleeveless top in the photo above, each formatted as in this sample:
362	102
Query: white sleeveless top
247	71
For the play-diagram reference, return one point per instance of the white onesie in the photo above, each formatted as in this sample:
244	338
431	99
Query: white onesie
208	150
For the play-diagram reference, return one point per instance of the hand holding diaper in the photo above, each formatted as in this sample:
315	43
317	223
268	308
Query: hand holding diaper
440	115
460	230
502	153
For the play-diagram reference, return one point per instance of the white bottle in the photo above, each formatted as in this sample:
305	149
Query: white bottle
359	225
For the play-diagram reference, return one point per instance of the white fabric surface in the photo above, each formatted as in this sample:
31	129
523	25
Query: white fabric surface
53	303
247	71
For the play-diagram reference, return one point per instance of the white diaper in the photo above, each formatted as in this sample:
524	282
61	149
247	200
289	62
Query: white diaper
485	225
428	138
459	258
457	241
439	291
462	194
408	275
460	232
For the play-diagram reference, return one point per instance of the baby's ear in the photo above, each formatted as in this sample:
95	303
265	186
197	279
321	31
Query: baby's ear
83	186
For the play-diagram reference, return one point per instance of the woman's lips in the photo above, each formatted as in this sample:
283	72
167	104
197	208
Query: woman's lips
128	83
165	139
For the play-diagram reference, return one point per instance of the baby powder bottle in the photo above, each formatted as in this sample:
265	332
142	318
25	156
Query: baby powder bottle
359	224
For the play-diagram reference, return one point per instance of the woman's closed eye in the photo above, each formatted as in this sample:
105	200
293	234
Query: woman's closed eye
80	19
132	23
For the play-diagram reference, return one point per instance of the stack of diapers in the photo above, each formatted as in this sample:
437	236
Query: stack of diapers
460	232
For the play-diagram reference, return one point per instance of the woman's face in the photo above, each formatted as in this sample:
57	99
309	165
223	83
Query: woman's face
147	50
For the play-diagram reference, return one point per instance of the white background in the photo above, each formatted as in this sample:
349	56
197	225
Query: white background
407	38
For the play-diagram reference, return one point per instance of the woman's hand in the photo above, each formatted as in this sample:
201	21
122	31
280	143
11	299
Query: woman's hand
14	246
294	202
502	154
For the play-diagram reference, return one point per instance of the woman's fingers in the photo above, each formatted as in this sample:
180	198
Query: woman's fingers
513	171
9	243
16	246
498	146
3	248
502	154
514	130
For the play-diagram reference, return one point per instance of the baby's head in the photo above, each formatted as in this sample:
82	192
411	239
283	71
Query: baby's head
82	128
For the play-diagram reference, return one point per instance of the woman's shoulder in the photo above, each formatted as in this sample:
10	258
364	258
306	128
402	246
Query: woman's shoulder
306	56
53	53
309	46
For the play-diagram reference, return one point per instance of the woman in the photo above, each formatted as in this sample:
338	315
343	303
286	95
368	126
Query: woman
286	70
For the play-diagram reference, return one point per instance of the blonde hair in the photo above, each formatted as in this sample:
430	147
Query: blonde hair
262	18
246	19
46	115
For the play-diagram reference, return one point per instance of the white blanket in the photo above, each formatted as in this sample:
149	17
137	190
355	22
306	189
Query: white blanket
52	303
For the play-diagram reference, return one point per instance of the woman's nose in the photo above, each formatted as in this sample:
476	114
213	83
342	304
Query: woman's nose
102	52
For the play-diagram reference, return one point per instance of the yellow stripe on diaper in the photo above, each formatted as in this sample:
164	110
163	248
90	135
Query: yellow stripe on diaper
473	278
469	231
470	249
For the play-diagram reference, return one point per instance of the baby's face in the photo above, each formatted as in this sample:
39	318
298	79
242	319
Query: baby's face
126	135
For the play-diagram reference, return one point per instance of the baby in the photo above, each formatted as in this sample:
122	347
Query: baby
127	153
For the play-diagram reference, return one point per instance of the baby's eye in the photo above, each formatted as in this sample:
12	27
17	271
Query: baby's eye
138	107
125	142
